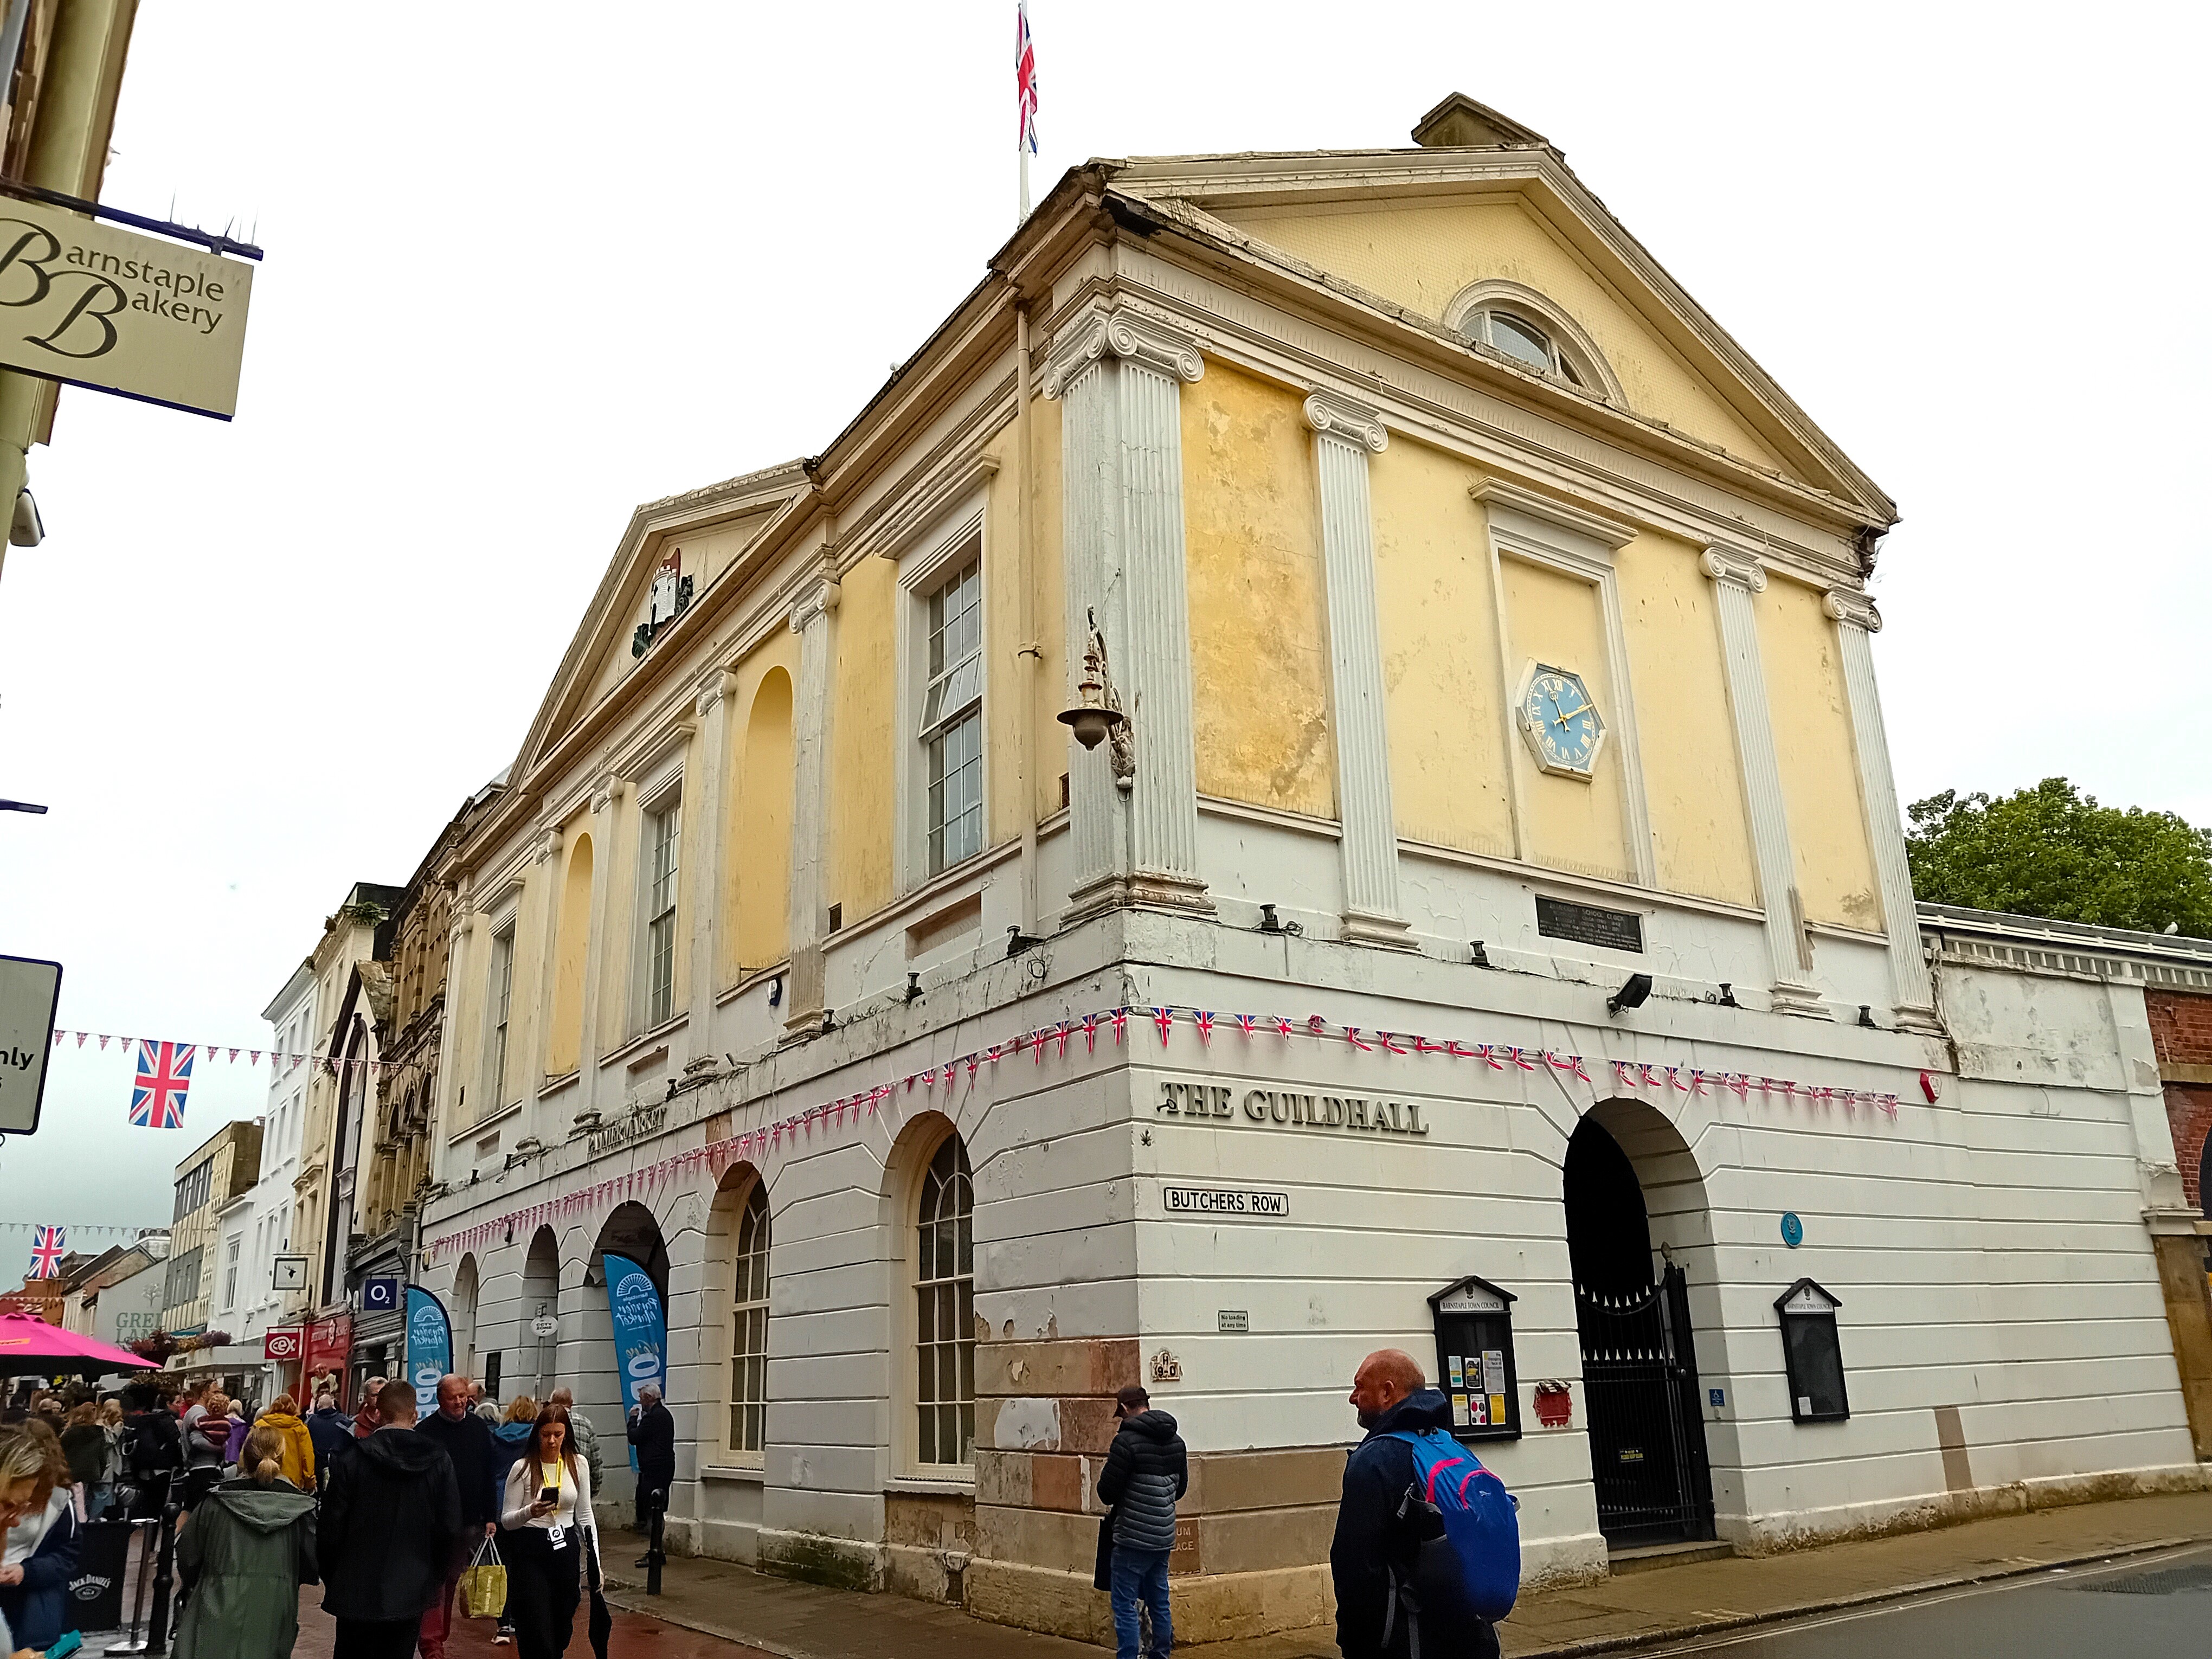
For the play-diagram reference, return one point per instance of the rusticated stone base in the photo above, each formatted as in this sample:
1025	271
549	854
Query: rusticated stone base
1207	1607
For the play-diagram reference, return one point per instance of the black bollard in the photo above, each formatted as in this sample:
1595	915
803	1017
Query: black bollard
132	1642
165	1558
654	1555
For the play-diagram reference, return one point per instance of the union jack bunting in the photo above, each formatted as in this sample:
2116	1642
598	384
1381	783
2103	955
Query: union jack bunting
48	1245
157	1094
1204	1019
1164	1019
1244	1023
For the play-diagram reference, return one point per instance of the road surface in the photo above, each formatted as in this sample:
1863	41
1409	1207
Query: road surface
2145	1607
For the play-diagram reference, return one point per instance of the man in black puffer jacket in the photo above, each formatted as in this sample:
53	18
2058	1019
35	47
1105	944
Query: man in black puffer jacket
1371	1543
1147	1470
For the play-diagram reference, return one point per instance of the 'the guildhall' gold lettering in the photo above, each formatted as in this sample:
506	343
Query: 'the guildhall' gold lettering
1291	1111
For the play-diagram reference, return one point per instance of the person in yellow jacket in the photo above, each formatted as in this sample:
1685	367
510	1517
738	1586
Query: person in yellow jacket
298	1457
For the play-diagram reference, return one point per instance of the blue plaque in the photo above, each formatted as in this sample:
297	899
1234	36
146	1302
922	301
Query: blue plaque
1793	1230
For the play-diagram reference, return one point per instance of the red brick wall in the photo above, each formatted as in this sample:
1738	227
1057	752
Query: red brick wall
2181	1032
2180	1027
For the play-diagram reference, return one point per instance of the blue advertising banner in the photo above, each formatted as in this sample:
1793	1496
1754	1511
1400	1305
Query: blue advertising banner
429	1346
640	1331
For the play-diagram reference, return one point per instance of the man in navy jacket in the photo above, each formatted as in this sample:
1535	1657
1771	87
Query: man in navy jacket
1389	1394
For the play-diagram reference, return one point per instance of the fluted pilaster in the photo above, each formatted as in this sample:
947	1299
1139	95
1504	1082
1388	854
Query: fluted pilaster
1120	376
1856	620
1345	434
1736	576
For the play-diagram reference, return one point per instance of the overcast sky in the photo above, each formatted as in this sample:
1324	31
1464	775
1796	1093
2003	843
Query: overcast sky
529	266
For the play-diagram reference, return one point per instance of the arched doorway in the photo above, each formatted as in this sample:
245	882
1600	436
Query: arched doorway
541	1297
1629	1176
465	1318
598	1376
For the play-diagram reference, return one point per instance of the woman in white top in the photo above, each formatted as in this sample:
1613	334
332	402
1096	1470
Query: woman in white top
546	1510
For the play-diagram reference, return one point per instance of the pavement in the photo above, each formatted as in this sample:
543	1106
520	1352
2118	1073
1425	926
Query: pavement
793	1621
1925	1592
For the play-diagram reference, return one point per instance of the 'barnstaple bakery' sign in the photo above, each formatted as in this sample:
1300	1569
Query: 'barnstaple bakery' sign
91	305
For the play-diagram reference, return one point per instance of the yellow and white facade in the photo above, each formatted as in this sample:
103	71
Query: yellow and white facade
1488	628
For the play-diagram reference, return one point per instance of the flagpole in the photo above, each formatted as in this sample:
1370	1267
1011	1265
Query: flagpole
1022	218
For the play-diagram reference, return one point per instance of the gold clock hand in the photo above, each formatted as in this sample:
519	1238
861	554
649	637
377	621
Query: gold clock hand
1571	713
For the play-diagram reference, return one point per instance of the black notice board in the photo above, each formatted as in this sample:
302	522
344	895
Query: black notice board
1475	1367
1812	1354
1589	924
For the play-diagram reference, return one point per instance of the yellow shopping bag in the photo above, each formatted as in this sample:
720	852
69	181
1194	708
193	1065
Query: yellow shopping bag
484	1584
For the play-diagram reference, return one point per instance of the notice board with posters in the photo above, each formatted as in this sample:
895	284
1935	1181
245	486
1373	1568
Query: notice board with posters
1474	1359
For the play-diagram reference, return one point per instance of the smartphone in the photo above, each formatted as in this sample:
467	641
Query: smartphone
69	1645
548	1494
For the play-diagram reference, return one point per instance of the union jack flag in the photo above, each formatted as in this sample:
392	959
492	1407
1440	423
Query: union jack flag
47	1247
1025	79
157	1095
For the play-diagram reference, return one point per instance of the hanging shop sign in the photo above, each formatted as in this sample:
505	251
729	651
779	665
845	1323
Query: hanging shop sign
1474	1359
285	1344
90	304
28	991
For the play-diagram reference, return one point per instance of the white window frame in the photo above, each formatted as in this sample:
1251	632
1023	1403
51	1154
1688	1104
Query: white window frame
1569	341
231	1253
749	1311
963	1337
935	558
499	1014
664	794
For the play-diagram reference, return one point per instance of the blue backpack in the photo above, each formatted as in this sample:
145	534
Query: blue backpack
1469	1559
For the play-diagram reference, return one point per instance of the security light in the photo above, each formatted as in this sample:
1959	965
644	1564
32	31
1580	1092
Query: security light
1630	995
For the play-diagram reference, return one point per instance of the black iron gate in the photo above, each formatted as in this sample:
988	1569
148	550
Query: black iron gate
1647	1433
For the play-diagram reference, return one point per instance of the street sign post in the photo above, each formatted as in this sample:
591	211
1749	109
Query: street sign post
30	990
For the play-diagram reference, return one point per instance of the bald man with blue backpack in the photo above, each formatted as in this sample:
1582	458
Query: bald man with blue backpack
1427	1553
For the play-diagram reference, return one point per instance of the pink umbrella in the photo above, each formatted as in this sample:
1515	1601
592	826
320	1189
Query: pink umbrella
31	1347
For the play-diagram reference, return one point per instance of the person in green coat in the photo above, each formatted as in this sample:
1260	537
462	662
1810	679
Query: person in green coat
244	1552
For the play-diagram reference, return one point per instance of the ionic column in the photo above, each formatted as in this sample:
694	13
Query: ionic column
547	856
598	949
812	616
703	786
1345	434
1855	620
1134	805
1736	576
451	1080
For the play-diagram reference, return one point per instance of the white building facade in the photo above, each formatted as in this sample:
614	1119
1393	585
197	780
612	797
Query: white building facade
1127	1070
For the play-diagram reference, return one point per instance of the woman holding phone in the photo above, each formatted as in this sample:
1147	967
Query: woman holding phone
546	1509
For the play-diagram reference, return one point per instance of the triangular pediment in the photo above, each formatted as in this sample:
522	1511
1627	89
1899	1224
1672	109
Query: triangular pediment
673	554
1425	234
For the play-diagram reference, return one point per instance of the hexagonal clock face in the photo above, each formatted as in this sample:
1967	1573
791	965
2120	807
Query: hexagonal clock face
1560	720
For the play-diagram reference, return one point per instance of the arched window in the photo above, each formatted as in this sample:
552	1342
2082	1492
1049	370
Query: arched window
1527	343
749	1328
945	1310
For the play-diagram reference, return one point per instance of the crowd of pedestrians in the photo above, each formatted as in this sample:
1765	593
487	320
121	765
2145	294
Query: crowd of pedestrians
385	1512
389	1514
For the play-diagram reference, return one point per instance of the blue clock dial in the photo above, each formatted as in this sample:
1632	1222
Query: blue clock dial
1561	721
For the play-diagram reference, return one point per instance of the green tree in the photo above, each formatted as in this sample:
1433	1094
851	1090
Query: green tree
2051	851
